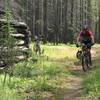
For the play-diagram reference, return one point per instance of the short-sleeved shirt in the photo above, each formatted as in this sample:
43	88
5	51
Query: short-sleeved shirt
86	35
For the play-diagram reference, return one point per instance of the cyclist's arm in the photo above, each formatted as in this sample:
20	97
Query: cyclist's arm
92	36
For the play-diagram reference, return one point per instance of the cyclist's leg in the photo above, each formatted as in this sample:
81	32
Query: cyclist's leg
88	43
89	50
90	61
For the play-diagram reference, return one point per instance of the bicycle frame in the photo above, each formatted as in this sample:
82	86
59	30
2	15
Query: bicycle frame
85	57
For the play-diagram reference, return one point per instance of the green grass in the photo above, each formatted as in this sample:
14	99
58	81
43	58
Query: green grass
40	77
44	77
6	92
92	85
60	52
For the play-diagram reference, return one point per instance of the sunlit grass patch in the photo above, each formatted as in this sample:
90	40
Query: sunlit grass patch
59	52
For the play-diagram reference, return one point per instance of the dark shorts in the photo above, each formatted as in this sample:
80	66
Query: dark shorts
87	42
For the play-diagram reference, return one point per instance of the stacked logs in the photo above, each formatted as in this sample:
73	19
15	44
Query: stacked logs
21	34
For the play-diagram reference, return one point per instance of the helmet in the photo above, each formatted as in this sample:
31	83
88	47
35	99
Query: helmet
85	28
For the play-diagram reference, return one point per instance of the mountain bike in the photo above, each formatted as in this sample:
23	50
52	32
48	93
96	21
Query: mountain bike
85	57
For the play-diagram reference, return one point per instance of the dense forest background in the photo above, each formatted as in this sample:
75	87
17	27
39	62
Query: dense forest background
57	20
54	73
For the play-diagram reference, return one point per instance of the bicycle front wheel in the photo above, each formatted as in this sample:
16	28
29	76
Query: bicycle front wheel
85	63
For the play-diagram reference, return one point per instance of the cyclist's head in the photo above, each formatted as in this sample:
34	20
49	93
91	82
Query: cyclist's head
85	28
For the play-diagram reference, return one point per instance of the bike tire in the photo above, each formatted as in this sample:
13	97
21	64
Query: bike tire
90	61
85	63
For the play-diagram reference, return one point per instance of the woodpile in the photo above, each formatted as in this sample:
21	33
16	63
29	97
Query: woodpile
21	34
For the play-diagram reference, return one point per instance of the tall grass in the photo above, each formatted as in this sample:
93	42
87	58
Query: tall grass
92	85
8	93
40	77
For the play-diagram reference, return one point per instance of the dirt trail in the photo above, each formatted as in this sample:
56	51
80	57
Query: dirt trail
75	87
75	83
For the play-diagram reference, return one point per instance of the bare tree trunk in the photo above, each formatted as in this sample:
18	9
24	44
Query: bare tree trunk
45	19
36	17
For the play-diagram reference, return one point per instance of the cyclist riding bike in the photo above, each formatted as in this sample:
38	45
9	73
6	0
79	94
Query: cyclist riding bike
86	37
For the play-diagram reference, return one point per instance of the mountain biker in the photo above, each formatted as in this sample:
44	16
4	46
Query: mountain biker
86	37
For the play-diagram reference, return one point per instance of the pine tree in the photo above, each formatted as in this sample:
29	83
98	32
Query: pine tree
7	42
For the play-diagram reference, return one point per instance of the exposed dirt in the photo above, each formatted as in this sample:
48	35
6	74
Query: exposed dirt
75	82
75	87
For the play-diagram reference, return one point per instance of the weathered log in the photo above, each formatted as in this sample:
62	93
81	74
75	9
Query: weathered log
20	43
14	24
17	24
23	48
19	35
20	58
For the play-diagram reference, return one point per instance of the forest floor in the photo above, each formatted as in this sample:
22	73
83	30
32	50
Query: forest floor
55	75
74	91
75	80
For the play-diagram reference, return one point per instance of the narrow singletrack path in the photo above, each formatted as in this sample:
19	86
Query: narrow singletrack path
75	87
75	82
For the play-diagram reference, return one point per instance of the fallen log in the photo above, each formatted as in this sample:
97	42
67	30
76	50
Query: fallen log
17	35
21	35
